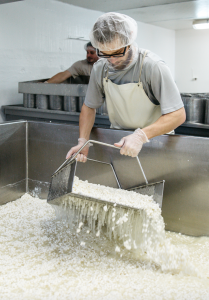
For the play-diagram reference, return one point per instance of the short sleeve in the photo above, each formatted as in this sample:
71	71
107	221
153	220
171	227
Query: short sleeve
94	96
164	88
80	67
75	69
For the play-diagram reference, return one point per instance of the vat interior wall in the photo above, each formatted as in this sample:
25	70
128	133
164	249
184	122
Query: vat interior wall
12	161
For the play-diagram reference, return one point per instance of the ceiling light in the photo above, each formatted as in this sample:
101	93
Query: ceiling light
201	24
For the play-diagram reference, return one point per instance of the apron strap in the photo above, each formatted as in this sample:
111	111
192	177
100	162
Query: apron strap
132	80
142	66
107	73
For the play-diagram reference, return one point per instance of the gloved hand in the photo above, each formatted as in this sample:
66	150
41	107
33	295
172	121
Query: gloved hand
132	144
82	156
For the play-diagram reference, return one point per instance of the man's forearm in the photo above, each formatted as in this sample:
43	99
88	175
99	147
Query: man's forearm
86	121
59	77
166	123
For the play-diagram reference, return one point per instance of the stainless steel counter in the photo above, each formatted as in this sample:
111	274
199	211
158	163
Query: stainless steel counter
18	112
195	129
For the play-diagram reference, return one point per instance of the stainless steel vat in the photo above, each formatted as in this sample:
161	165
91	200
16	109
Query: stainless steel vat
104	108
195	110
202	95
29	100
71	103
184	97
42	101
205	96
99	110
183	161
80	103
56	102
207	111
75	87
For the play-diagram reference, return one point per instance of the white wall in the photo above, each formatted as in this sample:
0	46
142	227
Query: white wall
192	60
160	41
34	42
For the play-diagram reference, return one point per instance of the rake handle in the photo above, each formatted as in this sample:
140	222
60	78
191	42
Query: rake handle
69	160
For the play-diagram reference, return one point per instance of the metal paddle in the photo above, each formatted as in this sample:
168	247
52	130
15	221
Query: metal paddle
62	180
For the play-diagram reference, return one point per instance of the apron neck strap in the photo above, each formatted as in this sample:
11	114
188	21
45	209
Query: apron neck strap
107	73
142	65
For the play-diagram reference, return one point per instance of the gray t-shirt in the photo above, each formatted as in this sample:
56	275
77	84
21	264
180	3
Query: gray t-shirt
81	67
156	78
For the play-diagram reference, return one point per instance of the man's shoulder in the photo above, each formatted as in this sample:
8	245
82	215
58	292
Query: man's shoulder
99	66
151	58
100	63
82	62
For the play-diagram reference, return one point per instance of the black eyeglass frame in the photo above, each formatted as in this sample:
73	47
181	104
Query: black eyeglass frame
114	55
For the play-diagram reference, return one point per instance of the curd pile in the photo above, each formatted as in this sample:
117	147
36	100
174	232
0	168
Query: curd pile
47	257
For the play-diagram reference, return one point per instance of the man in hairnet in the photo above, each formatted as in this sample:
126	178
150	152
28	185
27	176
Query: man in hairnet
81	67
137	85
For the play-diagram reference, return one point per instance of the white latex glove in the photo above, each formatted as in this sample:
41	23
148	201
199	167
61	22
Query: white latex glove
132	144
82	156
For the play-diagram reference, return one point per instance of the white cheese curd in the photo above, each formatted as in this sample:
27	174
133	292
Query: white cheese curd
42	257
80	225
140	229
117	249
105	208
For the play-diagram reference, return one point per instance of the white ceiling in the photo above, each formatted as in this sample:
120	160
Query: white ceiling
171	14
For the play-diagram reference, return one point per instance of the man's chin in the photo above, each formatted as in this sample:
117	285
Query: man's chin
118	66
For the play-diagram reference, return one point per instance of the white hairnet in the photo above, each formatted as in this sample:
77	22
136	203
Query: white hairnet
89	45
113	31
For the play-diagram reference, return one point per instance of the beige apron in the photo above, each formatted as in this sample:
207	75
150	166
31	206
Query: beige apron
128	105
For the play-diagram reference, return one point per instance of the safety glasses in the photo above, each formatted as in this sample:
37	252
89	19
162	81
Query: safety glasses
100	54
